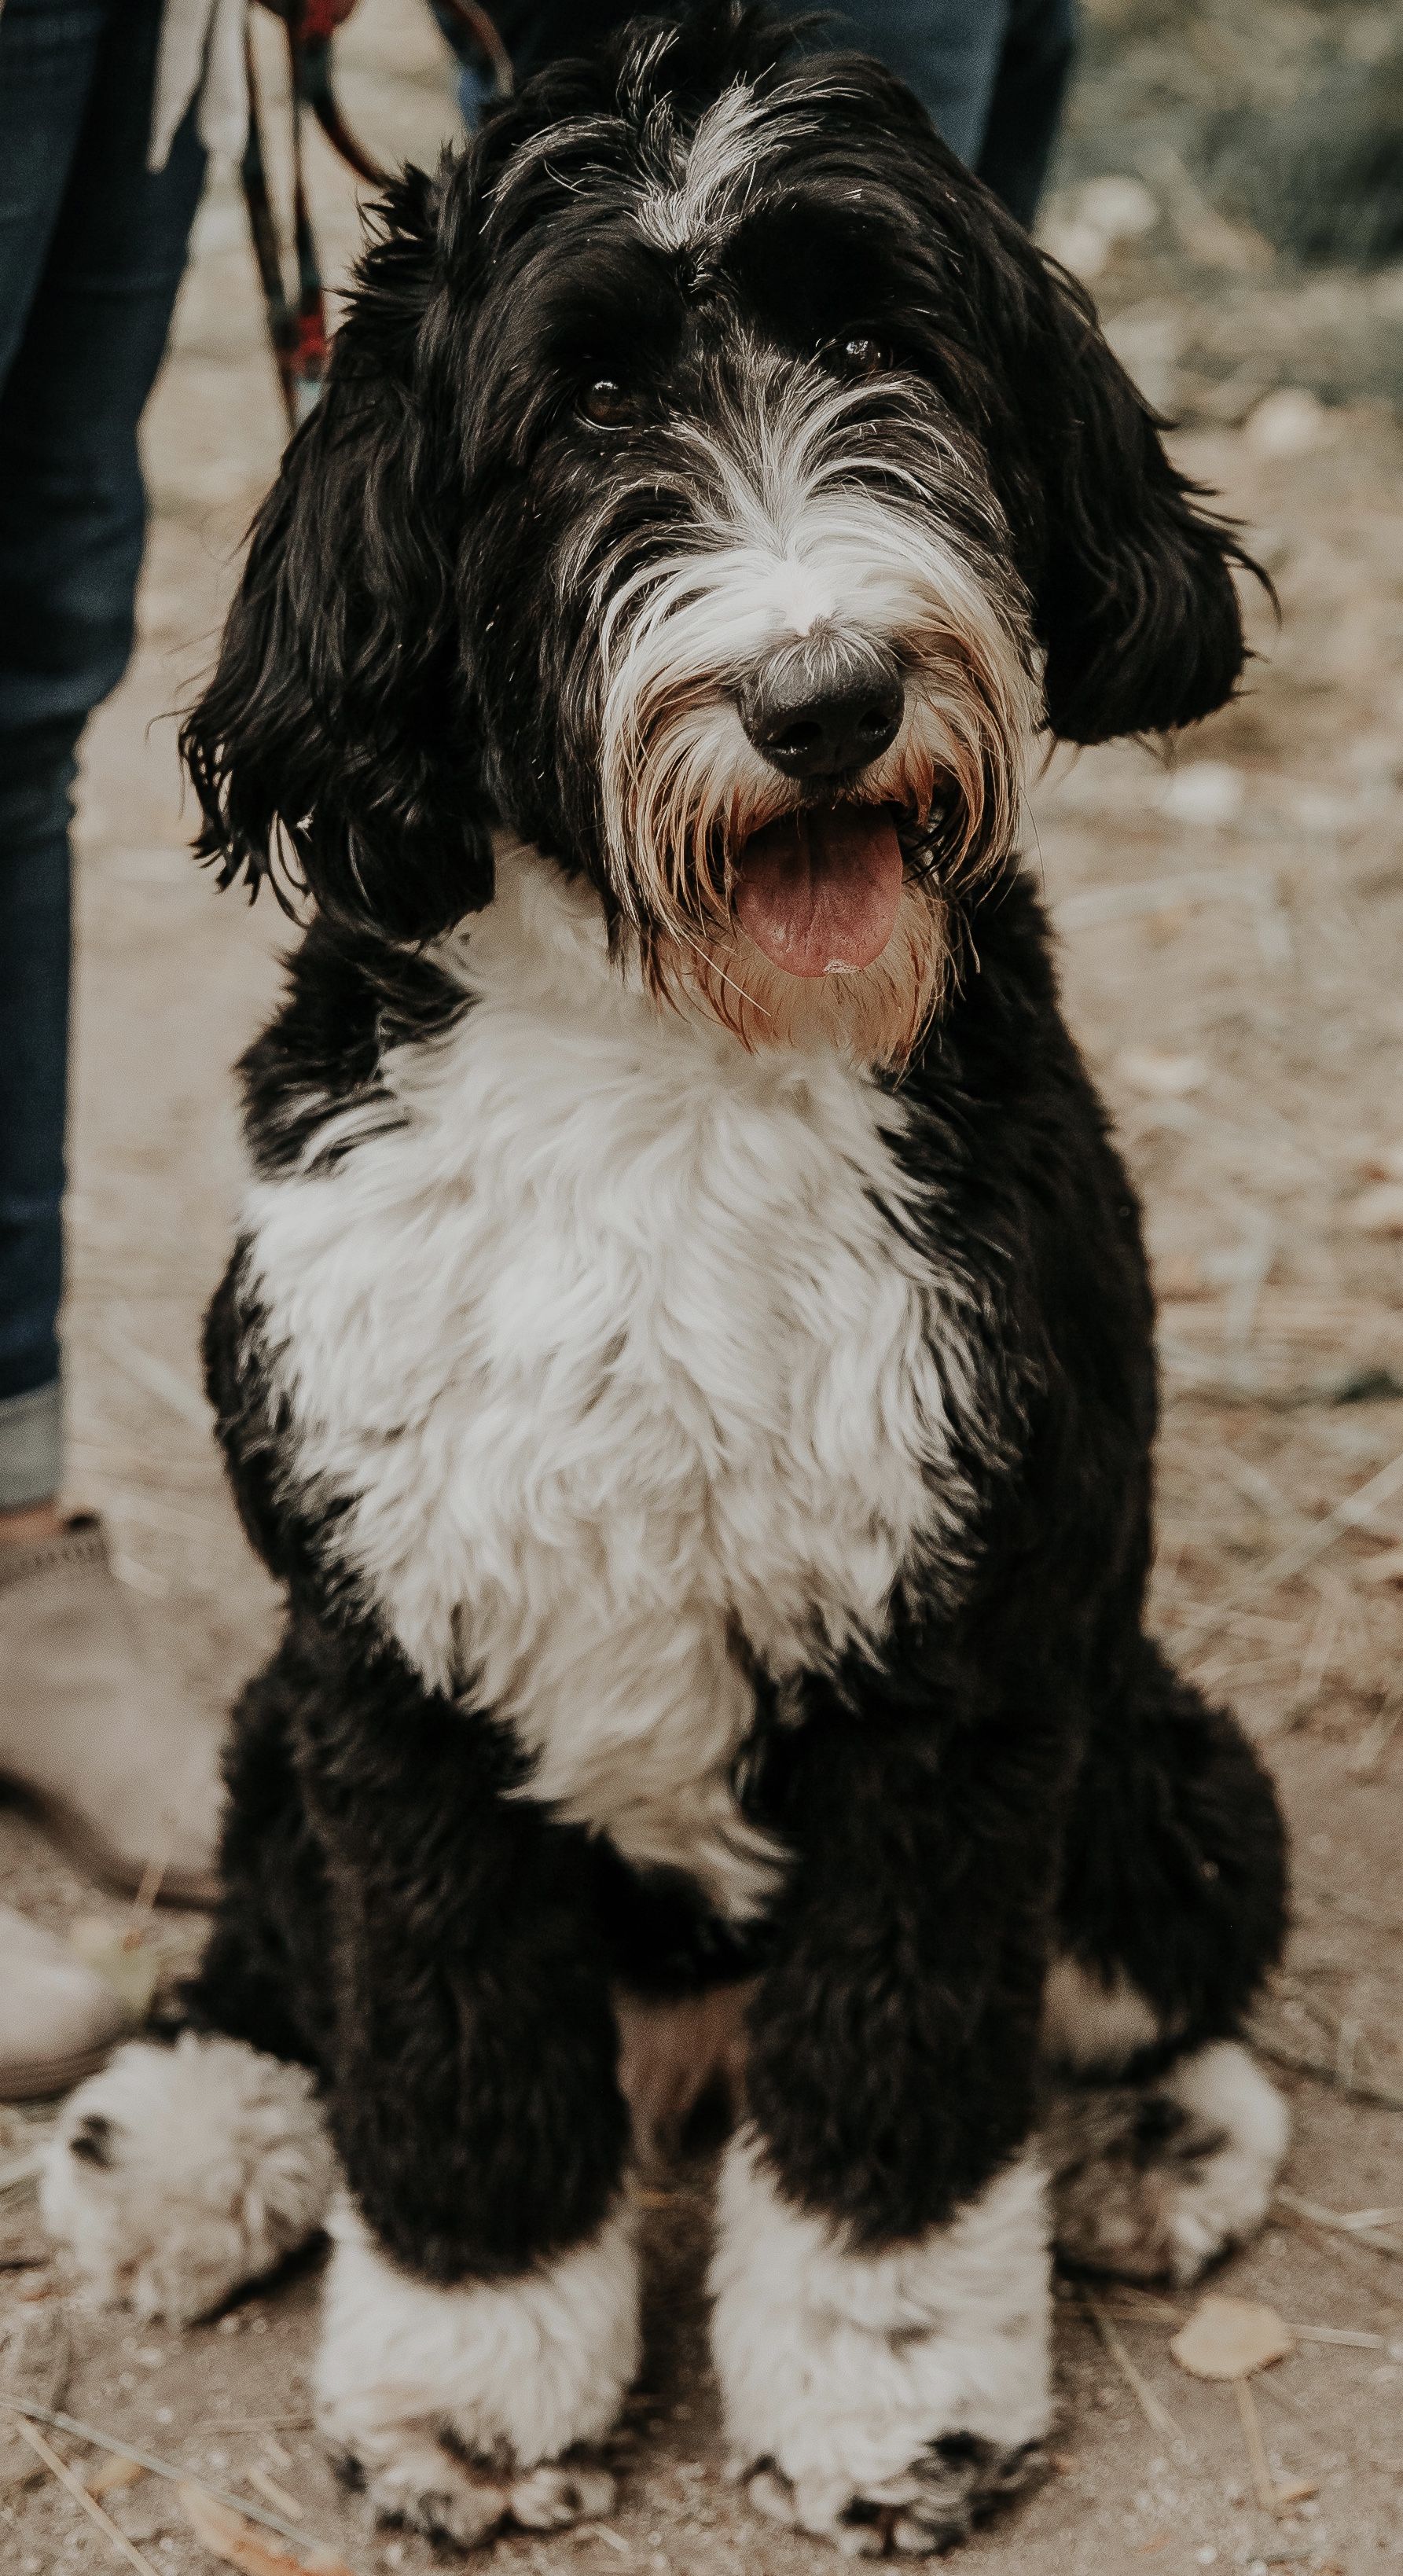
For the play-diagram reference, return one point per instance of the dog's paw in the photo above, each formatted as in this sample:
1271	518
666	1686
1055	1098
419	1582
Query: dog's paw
178	2174
459	2411
883	2401
948	2488
421	2484
1156	2182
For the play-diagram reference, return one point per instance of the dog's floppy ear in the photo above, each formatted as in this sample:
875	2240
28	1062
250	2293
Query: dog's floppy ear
1130	575
334	743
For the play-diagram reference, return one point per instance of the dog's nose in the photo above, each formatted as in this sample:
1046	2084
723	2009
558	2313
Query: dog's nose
817	714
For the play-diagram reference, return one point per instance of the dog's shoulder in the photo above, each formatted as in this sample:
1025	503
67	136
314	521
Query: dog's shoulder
348	996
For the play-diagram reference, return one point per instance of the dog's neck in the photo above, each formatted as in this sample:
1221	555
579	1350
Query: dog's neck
542	948
542	942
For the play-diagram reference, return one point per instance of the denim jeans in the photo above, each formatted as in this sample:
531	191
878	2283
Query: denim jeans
92	246
992	74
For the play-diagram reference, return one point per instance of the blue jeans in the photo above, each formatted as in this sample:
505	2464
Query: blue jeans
992	74
92	247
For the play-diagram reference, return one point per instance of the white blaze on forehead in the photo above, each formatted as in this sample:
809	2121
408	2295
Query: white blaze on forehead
717	159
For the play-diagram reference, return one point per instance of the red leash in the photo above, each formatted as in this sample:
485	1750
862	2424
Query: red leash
297	318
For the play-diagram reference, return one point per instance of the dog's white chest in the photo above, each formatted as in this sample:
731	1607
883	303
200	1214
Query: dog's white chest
624	1379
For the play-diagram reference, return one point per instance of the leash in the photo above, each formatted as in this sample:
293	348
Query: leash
296	312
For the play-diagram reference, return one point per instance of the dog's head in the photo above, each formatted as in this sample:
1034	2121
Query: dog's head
715	487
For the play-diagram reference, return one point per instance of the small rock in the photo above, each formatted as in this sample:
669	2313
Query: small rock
1380	1210
1120	207
1380	1162
1290	422
1163	1077
1084	228
1206	792
1228	2338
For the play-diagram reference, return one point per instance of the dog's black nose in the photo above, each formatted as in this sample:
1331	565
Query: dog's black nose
817	712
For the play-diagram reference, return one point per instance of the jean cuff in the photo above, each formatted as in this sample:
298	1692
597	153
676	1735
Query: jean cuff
31	1446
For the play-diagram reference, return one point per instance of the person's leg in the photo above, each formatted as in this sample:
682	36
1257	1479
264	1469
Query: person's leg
91	250
34	958
1025	108
92	246
48	60
947	51
992	73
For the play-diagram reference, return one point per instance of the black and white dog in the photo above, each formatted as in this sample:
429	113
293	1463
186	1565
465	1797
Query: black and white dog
688	1356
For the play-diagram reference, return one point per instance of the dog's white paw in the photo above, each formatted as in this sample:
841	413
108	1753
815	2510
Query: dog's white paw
935	2502
884	2400
1155	2182
416	2481
178	2174
453	2408
1225	2195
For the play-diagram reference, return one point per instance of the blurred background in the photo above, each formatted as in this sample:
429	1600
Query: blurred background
1230	186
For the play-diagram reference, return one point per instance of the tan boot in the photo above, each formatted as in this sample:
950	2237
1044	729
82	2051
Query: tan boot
58	2020
103	1742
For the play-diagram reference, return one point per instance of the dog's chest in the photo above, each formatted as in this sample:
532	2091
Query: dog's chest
623	1382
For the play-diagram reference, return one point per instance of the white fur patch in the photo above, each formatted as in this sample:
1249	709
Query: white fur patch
620	1369
1227	2193
704	181
843	2369
177	2174
1093	2027
516	2370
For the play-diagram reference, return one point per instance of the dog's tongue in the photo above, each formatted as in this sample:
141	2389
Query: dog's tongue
819	892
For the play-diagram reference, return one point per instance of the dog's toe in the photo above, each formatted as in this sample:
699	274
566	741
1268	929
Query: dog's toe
929	2507
960	2480
550	2498
1155	2183
425	2487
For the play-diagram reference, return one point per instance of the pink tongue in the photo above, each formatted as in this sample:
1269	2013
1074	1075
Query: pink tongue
819	892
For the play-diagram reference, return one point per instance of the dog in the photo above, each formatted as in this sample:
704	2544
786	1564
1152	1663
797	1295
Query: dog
688	1354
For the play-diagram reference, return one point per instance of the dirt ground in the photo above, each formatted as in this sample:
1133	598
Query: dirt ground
1233	942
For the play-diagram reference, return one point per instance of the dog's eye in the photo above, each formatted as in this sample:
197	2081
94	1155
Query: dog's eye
607	403
857	357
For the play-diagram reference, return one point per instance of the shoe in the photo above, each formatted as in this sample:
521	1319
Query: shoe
59	2021
99	1738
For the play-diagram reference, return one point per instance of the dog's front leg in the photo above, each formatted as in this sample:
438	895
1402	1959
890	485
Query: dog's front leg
881	2276
481	2319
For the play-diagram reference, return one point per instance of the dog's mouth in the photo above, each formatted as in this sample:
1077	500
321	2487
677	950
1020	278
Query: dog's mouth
819	891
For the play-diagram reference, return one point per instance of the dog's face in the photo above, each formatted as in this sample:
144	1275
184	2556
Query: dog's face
715	487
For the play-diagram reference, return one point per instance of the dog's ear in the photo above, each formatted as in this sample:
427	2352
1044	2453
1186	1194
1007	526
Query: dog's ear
333	748
1131	576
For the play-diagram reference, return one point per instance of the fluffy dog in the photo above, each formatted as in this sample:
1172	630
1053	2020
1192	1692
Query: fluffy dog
688	1355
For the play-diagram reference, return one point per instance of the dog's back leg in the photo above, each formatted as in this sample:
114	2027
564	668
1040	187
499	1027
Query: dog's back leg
191	2165
1163	2133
